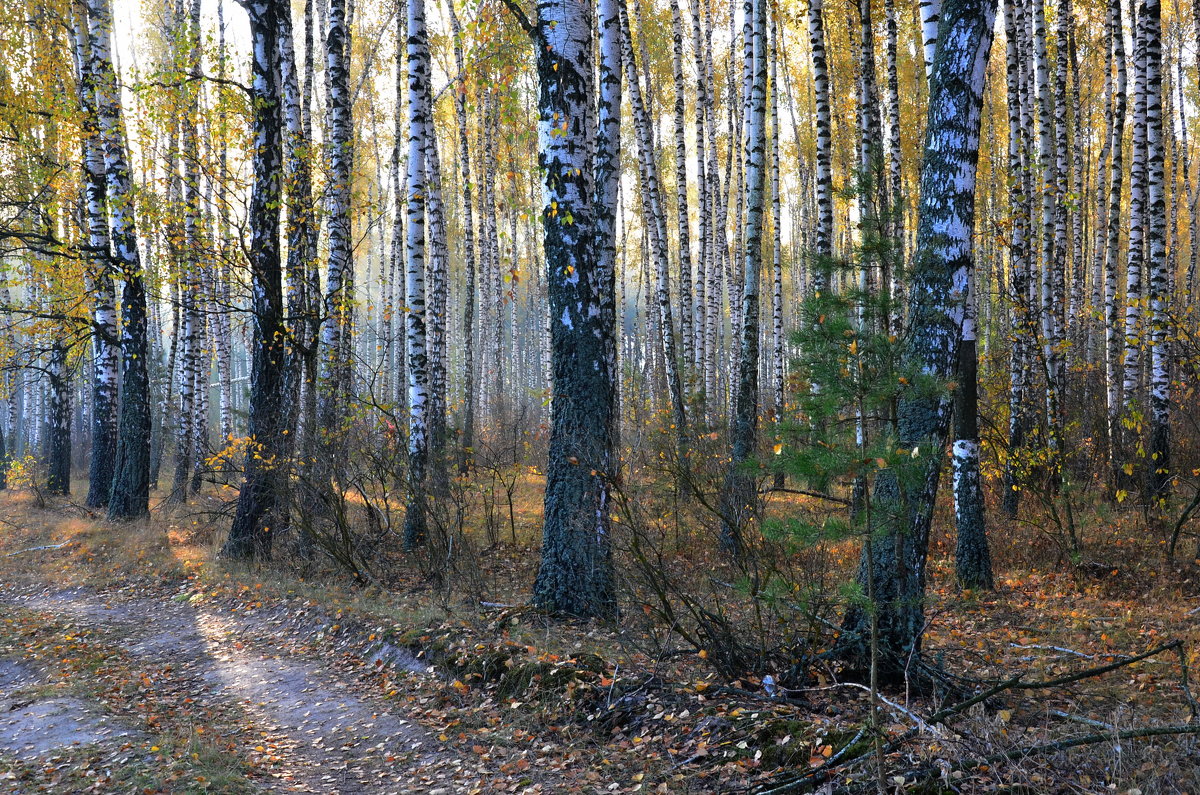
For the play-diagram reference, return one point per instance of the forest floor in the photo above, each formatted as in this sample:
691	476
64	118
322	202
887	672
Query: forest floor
132	660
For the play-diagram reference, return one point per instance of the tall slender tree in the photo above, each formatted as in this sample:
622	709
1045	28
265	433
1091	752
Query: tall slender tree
1158	266
416	328
105	343
261	513
738	497
336	330
892	570
579	224
130	494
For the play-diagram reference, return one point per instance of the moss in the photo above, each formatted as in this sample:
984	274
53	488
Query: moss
544	680
769	739
484	666
849	742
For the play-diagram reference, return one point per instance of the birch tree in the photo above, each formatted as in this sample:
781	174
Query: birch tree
261	514
469	262
823	235
656	229
892	571
581	168
105	343
738	497
339	297
130	494
419	128
1158	266
1116	173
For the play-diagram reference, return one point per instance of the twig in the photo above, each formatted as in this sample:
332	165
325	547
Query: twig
806	493
1099	724
1052	648
1087	739
36	549
1183	684
915	718
824	773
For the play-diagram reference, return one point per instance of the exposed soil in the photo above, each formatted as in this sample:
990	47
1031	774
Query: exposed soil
325	735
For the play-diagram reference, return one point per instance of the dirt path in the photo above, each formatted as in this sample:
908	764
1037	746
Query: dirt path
323	733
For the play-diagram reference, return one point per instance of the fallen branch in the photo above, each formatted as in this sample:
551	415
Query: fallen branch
805	493
1099	724
825	772
1087	739
37	549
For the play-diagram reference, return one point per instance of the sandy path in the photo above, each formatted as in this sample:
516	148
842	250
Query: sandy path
331	737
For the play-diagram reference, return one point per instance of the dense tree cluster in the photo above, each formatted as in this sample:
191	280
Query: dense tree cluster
261	244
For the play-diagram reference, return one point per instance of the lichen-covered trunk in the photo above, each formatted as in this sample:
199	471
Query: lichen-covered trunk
336	330
892	568
578	218
739	500
260	512
130	494
1158	266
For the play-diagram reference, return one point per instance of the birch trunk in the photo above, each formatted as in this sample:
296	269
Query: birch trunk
468	224
1021	264
336	329
1135	256
58	438
656	228
823	242
260	512
130	495
414	281
1116	172
686	333
579	202
892	570
739	502
105	343
1158	265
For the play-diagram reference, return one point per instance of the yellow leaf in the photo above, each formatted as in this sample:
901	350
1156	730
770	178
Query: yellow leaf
1121	495
778	449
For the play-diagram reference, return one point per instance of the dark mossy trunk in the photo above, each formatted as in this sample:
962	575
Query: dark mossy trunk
575	575
261	513
130	495
58	442
972	558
